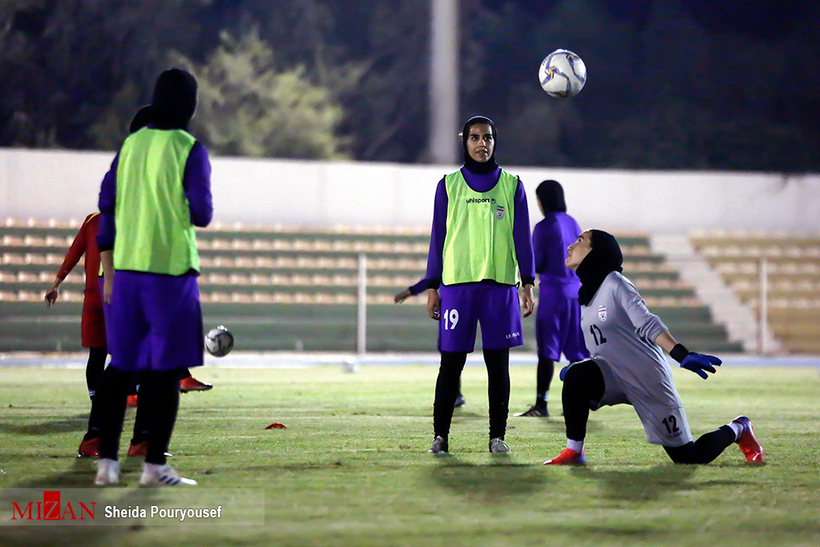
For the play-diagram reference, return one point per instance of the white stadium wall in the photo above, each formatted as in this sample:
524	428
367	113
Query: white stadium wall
44	184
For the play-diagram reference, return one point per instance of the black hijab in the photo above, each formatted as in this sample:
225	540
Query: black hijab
174	101
604	257
142	118
473	166
550	195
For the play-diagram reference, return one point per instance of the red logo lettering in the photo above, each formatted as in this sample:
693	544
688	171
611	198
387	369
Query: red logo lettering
90	513
51	505
21	513
49	509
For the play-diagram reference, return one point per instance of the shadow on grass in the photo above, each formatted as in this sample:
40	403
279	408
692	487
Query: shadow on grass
68	536
641	485
555	422
80	474
498	480
71	423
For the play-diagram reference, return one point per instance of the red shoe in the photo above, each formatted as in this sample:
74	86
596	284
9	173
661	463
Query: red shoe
747	442
192	384
141	449
89	448
568	456
132	401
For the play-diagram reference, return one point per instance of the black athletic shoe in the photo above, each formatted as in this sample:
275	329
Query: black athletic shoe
535	412
459	401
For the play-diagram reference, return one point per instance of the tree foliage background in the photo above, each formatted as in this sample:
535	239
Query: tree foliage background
673	84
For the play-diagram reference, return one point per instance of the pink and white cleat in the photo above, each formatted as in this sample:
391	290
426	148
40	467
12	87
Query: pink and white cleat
747	442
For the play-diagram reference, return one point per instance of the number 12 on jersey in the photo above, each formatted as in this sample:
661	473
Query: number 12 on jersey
597	335
450	318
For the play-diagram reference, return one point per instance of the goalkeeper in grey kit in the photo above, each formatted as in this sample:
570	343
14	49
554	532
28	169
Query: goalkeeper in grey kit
627	366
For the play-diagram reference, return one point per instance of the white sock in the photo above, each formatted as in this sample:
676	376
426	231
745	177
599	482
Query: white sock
109	464
737	428
152	467
575	446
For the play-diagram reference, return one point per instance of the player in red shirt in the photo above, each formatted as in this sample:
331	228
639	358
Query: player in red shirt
93	324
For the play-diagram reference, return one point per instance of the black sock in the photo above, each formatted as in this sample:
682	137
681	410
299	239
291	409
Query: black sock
162	405
705	449
546	368
447	388
143	415
94	369
109	404
498	389
583	384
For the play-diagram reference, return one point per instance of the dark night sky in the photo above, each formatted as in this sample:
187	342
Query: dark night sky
763	18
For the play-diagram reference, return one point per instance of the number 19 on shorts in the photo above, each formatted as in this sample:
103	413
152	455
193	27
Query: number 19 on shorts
450	318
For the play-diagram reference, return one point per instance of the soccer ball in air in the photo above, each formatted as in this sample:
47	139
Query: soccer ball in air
219	341
562	74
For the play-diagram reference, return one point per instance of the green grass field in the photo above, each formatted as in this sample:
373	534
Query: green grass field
353	469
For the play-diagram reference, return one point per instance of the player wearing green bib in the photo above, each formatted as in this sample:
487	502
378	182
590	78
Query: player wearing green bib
157	190
480	248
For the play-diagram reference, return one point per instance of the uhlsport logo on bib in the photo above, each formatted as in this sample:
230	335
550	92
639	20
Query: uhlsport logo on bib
491	201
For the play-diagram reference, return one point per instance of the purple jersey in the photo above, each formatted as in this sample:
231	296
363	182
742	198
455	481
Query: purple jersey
558	318
550	239
419	287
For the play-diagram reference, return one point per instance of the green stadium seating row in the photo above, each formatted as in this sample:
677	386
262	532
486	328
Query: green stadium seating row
793	279
278	286
305	296
32	228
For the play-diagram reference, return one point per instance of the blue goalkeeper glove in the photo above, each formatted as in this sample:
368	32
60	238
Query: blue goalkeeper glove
698	363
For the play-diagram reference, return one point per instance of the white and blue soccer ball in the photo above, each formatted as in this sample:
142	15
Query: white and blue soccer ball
219	341
562	74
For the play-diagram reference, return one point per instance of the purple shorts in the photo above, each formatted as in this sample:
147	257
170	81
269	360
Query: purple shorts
496	307
154	322
558	326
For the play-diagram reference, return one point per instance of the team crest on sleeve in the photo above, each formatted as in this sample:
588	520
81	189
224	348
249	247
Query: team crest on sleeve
499	212
602	313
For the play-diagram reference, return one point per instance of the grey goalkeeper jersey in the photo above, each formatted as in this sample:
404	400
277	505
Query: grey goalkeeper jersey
620	329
